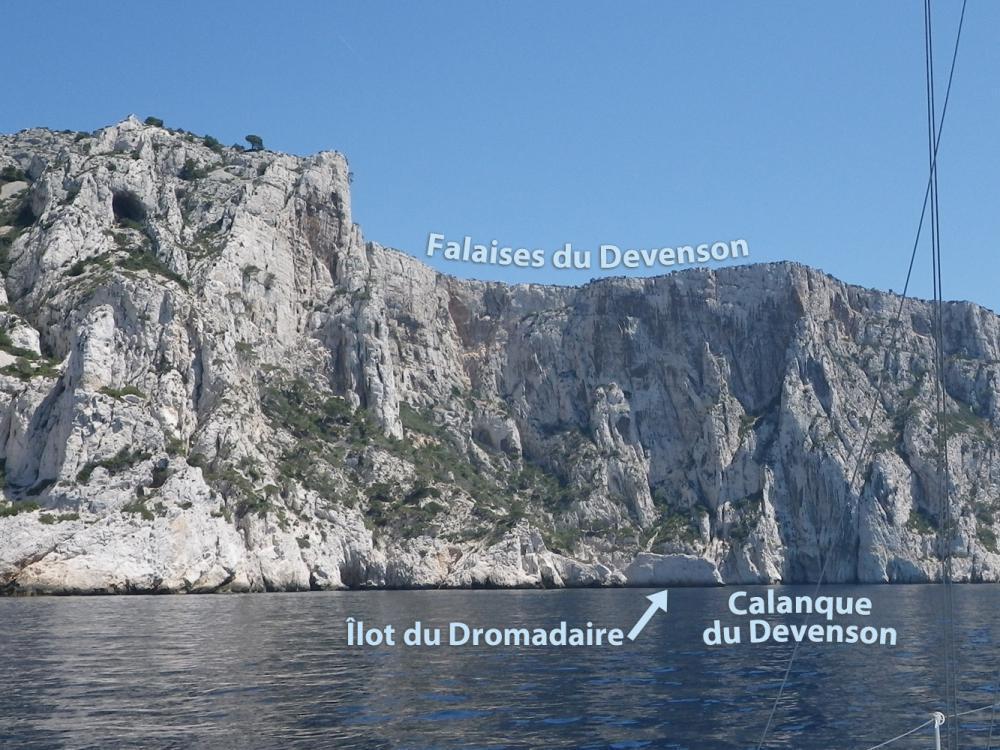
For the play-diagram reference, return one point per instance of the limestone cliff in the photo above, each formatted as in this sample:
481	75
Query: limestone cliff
209	381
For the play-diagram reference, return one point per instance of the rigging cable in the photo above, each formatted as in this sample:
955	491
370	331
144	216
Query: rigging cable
993	713
898	737
881	379
943	473
989	745
996	679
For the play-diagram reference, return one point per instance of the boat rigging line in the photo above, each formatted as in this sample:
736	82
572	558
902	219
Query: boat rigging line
936	133
942	468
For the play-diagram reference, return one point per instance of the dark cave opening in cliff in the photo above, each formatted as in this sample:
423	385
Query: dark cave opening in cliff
128	208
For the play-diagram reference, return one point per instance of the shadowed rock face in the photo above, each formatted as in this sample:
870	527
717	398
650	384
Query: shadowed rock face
209	381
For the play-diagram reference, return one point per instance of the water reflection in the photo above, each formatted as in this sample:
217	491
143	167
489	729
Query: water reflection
274	671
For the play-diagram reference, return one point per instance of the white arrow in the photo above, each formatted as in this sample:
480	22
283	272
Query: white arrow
657	601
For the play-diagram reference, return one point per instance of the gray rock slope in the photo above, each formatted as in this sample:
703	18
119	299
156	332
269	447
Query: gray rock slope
209	381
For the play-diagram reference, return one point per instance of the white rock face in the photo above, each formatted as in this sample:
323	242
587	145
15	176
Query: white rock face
209	381
671	570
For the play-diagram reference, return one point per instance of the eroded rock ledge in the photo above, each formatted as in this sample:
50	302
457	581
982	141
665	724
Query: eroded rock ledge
209	381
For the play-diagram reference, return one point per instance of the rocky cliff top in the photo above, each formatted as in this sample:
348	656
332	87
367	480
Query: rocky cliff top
210	381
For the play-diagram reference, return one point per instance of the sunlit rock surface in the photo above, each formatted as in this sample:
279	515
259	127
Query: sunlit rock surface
209	381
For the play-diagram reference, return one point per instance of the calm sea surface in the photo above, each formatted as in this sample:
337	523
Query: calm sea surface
274	671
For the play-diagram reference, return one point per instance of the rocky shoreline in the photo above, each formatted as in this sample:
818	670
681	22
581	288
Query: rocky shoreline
210	381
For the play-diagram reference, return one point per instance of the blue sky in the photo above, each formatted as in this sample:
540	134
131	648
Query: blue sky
797	126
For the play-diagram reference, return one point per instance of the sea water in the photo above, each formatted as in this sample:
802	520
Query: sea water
276	671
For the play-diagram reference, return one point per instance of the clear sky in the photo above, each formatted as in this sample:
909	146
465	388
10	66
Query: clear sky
797	126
